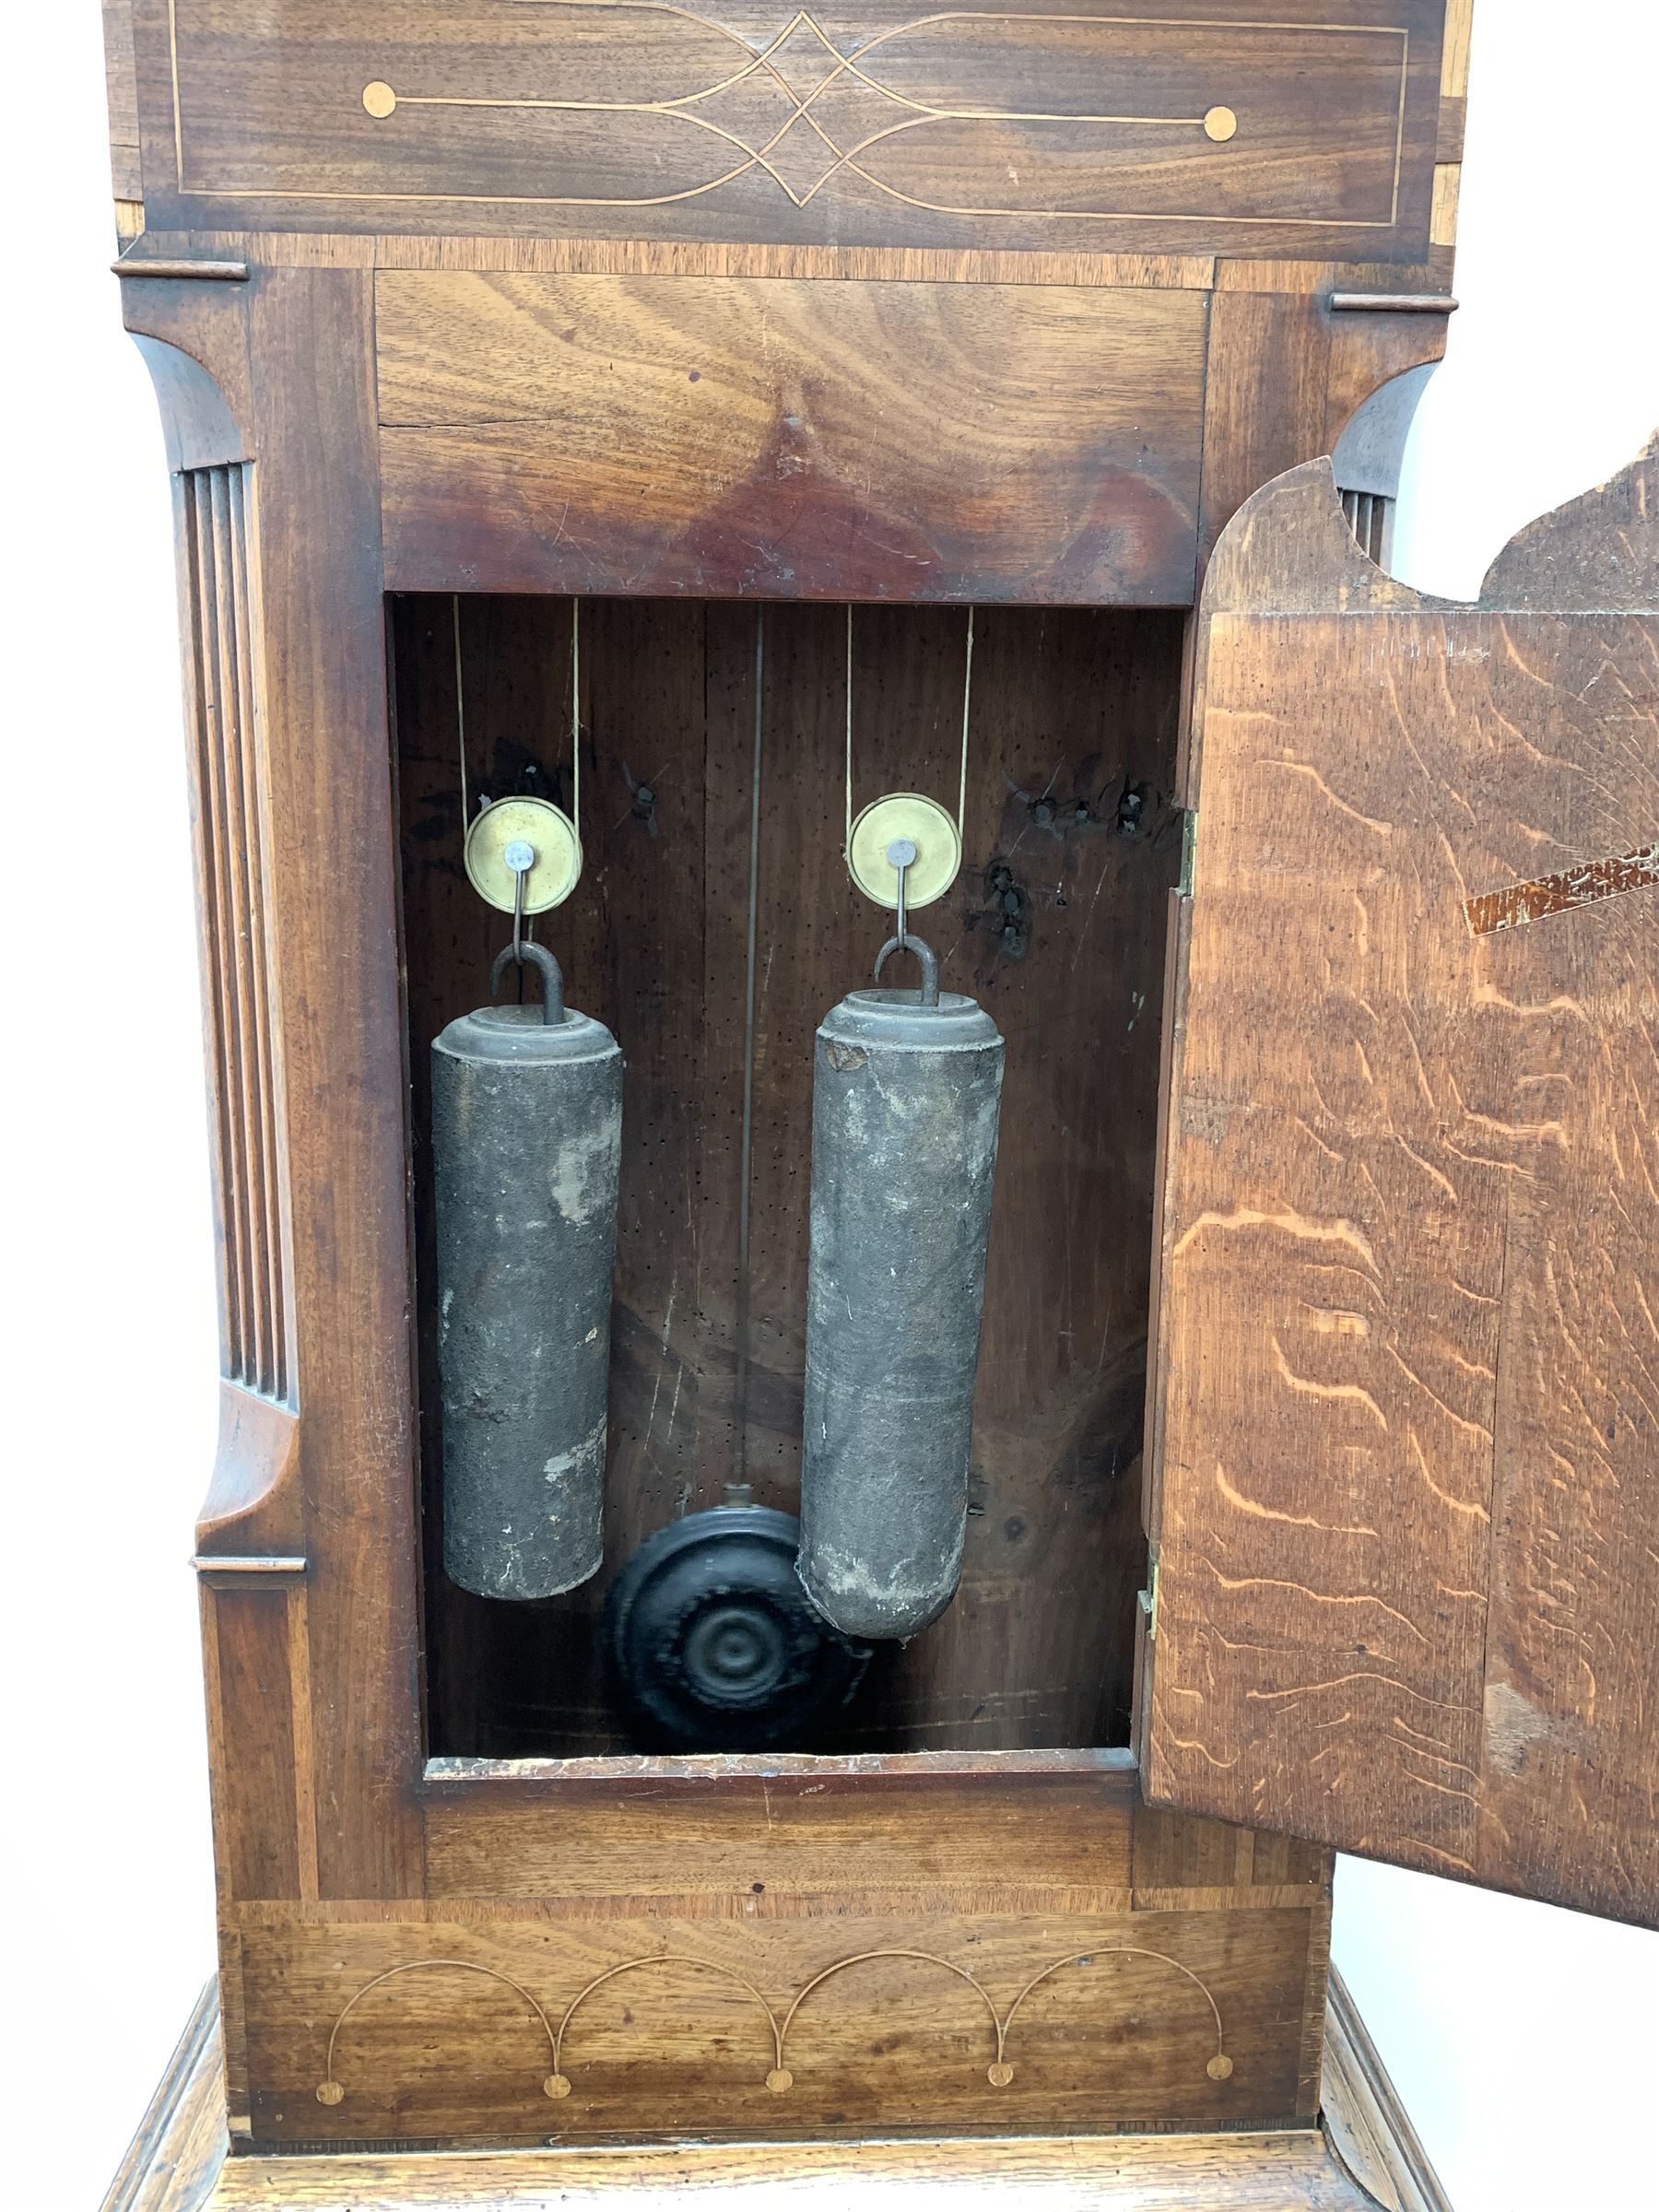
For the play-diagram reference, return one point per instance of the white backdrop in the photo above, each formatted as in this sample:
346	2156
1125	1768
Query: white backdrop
1525	2038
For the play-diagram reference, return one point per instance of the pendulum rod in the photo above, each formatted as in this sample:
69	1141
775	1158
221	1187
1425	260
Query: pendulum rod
746	1150
461	718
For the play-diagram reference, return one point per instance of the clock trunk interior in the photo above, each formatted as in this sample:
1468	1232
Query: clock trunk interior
714	924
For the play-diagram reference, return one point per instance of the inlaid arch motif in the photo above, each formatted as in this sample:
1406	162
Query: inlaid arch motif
780	2078
331	2091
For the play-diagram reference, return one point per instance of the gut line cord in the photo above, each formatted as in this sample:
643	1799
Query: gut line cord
967	715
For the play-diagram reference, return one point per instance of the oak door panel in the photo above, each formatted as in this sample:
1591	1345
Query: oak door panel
1408	1429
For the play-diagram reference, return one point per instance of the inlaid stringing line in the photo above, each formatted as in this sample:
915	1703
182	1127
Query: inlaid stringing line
844	64
755	158
172	41
1393	205
329	2090
779	2079
674	111
628	1966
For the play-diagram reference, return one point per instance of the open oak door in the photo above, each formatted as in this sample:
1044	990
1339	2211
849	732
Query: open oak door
1404	1463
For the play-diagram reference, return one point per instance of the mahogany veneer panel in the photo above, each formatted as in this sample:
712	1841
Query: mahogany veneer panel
178	2163
1409	1355
679	2040
907	1905
869	124
249	1635
728	436
706	1829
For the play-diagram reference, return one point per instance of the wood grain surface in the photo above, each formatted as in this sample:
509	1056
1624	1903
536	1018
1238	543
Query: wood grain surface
1289	2172
643	1929
180	2147
685	2027
121	90
177	2162
1369	2127
323	664
471	249
782	439
1309	127
1408	1355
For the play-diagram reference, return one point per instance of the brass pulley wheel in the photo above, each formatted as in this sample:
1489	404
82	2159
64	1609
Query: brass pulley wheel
551	835
905	816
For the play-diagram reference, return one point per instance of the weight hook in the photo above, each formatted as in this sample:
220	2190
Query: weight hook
926	959
542	960
519	857
902	855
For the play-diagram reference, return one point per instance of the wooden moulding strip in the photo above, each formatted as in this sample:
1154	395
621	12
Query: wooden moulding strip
467	1774
456	254
1393	303
180	2146
1366	2122
205	272
244	1563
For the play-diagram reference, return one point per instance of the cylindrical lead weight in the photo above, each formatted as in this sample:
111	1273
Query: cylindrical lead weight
526	1142
904	1113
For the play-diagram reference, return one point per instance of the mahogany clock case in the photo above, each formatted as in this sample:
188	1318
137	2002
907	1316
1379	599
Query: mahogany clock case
463	320
413	426
409	1783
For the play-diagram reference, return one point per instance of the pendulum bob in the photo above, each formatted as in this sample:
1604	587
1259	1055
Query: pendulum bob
714	1644
527	1144
906	1090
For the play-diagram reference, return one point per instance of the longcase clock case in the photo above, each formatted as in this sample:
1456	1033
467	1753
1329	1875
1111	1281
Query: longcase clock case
691	382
